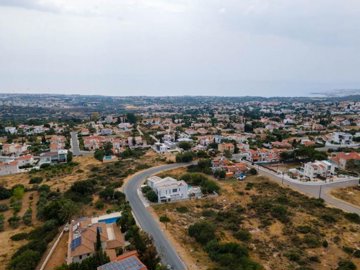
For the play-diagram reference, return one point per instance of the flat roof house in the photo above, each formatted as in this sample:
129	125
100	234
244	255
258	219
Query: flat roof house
168	189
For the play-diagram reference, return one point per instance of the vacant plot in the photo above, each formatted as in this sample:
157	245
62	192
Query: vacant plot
349	194
8	246
280	228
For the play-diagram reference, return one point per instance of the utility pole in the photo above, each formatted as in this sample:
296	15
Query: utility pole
320	191
282	180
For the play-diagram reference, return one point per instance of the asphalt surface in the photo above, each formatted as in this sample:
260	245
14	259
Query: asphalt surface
166	251
317	190
75	148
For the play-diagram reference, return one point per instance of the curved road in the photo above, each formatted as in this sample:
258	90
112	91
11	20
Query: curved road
167	252
317	190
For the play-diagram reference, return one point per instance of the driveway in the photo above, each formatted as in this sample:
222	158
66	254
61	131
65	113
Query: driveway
166	251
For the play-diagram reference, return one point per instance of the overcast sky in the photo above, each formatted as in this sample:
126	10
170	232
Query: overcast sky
179	47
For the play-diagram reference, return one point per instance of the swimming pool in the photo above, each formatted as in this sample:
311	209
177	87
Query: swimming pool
109	220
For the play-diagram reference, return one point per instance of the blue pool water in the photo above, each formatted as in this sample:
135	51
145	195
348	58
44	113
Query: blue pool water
109	220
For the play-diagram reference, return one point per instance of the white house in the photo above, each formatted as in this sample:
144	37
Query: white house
321	168
10	167
341	138
168	189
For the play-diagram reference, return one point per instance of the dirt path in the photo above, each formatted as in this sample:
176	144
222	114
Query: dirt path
59	255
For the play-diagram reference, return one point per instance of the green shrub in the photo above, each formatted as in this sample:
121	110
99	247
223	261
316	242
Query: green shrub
36	180
353	217
27	217
328	218
242	235
19	236
208	213
1	222
312	241
99	205
182	209
164	219
14	221
151	196
303	229
231	256
3	207
346	265
4	193
202	231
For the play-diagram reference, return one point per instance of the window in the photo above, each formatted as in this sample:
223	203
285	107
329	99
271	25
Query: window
174	190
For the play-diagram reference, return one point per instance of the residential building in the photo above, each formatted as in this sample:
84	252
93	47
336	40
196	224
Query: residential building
340	159
59	156
126	261
222	147
341	138
9	167
168	188
318	168
82	238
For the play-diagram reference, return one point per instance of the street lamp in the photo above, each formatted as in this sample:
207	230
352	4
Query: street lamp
320	191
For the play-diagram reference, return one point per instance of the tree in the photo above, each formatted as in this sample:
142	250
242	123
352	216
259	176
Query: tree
253	171
98	240
151	196
108	146
185	145
69	156
99	154
131	118
164	219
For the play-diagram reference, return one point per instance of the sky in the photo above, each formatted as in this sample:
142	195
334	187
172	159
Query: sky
179	47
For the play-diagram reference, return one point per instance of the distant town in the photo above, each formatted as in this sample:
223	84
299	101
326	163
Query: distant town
97	182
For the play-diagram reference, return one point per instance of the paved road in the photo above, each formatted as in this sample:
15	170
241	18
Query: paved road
167	252
316	190
75	148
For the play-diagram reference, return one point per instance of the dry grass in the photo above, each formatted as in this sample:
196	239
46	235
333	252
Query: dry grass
268	244
349	194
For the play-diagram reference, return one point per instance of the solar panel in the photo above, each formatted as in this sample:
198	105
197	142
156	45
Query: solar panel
75	243
130	263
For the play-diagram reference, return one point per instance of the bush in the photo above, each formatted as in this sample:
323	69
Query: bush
242	235
99	205
19	236
231	256
185	157
151	196
14	221
3	207
328	218
27	260
202	231
346	265
182	209
27	217
353	217
280	212
4	193
303	229
253	171
164	219
36	180
1	222
185	145
198	179
312	241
